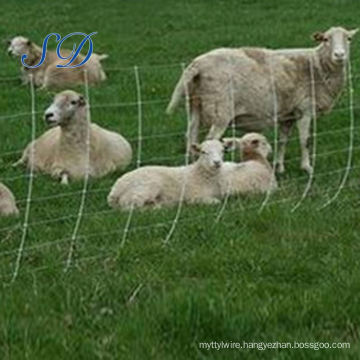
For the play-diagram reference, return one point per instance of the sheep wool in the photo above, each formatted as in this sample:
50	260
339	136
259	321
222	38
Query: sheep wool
7	202
48	75
254	174
248	85
157	186
62	151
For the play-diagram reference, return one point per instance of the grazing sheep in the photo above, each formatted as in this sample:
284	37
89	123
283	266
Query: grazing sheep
254	174
47	75
156	186
62	150
236	84
7	202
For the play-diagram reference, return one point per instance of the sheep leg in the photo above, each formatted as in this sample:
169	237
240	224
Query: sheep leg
64	178
304	132
193	130
206	200
216	132
24	78
210	201
285	131
20	162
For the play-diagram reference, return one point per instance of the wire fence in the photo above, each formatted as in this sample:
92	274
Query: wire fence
289	187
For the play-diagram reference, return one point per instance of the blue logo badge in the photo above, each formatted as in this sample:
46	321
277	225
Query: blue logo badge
75	52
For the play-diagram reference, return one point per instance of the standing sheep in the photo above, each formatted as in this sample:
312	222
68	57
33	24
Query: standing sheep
62	150
236	84
7	202
156	186
254	174
48	75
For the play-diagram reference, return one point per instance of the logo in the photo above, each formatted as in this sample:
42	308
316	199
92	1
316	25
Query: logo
74	54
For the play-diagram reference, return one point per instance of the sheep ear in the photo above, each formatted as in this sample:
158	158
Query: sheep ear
351	33
28	43
195	148
229	144
318	36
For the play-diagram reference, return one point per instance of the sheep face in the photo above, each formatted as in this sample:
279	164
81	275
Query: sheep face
255	143
250	143
336	42
211	153
64	107
19	45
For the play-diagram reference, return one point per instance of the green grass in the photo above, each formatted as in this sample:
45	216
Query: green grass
278	276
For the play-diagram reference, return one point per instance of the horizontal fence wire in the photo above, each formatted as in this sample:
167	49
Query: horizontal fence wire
287	185
142	103
114	251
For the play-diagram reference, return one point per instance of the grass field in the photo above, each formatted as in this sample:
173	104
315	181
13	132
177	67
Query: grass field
274	276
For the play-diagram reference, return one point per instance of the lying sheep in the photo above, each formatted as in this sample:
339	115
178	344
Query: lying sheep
236	84
7	202
254	174
156	186
62	150
47	75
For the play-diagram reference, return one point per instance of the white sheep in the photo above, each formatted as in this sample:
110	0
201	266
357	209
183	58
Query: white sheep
156	186
47	75
254	174
236	84
7	202
62	150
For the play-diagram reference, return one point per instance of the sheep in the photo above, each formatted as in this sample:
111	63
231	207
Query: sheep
157	186
62	150
227	85
47	75
7	202
254	174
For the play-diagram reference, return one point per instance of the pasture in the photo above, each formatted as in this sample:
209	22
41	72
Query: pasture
274	275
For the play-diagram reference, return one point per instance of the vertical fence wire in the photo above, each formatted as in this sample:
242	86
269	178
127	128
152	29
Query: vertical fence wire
276	130
314	136
30	186
183	188
351	136
73	240
233	135
139	149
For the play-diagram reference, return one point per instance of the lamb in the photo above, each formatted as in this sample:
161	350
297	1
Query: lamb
62	150
7	202
227	85
47	75
157	186
254	174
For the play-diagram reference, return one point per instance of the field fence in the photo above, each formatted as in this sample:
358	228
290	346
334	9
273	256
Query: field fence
114	250
81	215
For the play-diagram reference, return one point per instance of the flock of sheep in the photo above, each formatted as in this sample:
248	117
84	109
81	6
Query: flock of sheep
253	87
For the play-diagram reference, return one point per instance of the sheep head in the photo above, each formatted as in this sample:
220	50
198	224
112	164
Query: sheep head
335	42
64	108
211	154
249	144
19	45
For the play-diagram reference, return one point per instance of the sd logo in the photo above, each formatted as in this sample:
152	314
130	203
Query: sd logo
75	52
